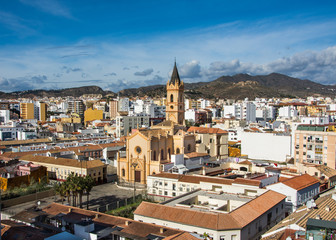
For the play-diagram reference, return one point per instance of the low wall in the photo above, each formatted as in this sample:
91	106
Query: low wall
27	198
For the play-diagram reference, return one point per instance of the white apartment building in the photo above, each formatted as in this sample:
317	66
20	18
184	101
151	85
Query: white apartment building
168	185
266	146
287	112
244	111
315	120
10	131
298	190
4	116
124	104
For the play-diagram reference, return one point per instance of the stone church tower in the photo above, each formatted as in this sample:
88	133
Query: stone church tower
175	99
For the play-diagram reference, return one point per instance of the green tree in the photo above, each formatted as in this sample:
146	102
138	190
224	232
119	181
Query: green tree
88	185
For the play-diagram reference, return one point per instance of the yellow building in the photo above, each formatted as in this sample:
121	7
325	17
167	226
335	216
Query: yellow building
148	150
74	118
60	168
93	114
43	111
27	110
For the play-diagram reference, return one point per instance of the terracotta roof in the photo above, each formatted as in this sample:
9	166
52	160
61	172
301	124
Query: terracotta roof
62	161
327	171
14	230
205	130
300	182
247	181
217	221
325	208
197	179
258	206
181	236
195	154
236	219
132	227
247	162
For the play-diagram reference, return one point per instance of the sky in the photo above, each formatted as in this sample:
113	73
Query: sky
118	44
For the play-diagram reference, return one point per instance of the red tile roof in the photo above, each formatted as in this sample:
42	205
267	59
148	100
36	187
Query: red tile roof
236	219
207	130
300	182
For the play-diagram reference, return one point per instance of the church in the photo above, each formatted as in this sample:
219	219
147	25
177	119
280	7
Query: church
148	150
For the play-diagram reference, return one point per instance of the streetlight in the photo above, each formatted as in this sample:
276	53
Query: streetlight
134	165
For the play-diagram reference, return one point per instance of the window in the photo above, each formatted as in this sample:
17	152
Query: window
122	172
165	193
172	98
174	194
177	151
162	157
189	147
233	237
154	155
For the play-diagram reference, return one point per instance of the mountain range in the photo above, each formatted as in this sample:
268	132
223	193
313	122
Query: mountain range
239	86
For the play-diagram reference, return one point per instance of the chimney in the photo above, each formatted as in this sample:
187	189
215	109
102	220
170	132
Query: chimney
97	215
327	208
127	223
70	210
203	171
162	230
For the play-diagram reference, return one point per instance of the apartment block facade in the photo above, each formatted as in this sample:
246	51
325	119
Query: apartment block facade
315	145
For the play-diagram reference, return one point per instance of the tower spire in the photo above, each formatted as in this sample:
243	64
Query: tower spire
175	78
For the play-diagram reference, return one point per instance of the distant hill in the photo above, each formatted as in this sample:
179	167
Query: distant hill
75	92
239	86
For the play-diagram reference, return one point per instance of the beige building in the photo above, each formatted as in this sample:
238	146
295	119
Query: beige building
315	145
60	168
148	150
213	141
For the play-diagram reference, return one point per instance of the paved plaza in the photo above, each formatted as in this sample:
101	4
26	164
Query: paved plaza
99	196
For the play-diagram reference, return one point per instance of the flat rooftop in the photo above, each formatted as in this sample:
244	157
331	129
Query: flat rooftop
209	201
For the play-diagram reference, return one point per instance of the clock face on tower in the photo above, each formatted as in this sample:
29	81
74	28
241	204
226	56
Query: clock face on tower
138	149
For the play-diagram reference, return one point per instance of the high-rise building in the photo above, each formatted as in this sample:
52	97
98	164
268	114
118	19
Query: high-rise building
175	98
76	106
27	111
113	109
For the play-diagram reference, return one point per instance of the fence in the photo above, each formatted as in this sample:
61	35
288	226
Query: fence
117	204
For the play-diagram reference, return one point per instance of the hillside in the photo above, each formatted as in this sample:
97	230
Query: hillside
239	86
75	92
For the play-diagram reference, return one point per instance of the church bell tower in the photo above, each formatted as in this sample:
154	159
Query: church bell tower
175	98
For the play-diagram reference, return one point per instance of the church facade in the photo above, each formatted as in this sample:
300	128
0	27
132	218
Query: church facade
148	150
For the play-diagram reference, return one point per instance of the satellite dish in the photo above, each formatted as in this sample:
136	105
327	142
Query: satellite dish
63	229
288	238
38	203
309	204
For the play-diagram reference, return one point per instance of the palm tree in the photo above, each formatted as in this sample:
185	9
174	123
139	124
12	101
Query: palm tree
80	189
61	190
88	185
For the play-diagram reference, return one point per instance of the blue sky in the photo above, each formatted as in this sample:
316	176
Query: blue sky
117	44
